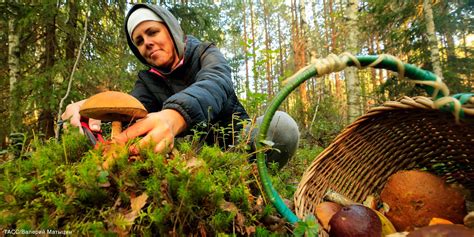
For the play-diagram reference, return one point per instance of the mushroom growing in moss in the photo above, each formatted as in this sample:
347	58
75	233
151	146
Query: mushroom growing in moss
115	107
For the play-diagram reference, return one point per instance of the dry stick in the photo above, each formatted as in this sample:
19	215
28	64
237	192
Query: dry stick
315	113
71	77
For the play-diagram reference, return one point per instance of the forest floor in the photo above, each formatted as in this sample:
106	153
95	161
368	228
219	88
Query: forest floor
195	190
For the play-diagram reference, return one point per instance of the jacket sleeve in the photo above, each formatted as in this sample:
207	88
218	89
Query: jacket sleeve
203	100
142	94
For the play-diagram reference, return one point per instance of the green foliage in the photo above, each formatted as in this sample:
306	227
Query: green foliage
401	27
254	103
63	186
326	124
308	227
200	19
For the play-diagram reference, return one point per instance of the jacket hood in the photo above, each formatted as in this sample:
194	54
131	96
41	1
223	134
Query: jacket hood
171	23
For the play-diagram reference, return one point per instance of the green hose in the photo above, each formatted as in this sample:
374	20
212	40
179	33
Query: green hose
389	63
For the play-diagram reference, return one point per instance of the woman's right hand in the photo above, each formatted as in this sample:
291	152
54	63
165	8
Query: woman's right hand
72	114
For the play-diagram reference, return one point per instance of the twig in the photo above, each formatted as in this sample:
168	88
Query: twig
71	77
315	113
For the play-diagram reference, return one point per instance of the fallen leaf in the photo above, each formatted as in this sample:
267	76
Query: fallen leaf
240	223
139	202
250	230
194	163
258	204
126	222
228	206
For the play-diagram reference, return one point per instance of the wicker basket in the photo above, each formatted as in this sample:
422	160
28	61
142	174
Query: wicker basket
413	133
406	134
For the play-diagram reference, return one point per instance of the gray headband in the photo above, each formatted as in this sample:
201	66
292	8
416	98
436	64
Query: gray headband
140	15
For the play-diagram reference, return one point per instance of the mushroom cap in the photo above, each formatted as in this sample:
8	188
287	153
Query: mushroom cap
324	212
113	106
443	230
355	221
415	197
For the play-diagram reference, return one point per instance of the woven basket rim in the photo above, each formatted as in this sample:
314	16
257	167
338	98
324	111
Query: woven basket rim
417	102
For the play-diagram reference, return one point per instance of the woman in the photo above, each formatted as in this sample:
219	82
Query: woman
188	86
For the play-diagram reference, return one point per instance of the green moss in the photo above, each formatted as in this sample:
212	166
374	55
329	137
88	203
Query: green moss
200	188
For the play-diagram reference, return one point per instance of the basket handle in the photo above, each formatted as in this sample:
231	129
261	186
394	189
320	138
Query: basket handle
333	63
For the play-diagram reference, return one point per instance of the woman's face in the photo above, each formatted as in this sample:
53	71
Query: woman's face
154	42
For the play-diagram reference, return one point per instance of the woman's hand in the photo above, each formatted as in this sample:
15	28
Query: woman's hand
72	114
160	129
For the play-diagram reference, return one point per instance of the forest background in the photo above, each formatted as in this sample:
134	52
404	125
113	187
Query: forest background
46	44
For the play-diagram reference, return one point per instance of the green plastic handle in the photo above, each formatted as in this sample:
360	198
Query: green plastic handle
410	71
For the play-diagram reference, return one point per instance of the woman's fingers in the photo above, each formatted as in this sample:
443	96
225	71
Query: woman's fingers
158	131
161	143
94	124
139	128
165	146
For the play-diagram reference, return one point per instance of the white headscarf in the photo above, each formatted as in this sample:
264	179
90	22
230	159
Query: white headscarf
139	16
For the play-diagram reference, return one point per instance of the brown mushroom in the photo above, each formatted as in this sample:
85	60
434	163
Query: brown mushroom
324	212
115	107
442	231
355	221
415	197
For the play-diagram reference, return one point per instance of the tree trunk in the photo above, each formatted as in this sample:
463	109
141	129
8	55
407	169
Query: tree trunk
302	61
254	54
246	58
46	117
352	81
450	48
72	38
333	48
13	68
379	51
373	76
327	28
280	46
268	60
432	41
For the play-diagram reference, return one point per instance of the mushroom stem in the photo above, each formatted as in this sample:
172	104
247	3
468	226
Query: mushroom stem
116	128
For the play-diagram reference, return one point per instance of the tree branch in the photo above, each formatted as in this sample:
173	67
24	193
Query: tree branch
58	124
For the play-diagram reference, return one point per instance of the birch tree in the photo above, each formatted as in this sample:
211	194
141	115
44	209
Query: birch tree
268	59
433	42
246	56
13	63
352	80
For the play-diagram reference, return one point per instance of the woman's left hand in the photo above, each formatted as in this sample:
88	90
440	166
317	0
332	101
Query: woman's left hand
160	129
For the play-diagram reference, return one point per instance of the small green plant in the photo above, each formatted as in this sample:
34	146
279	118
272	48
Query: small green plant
308	227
